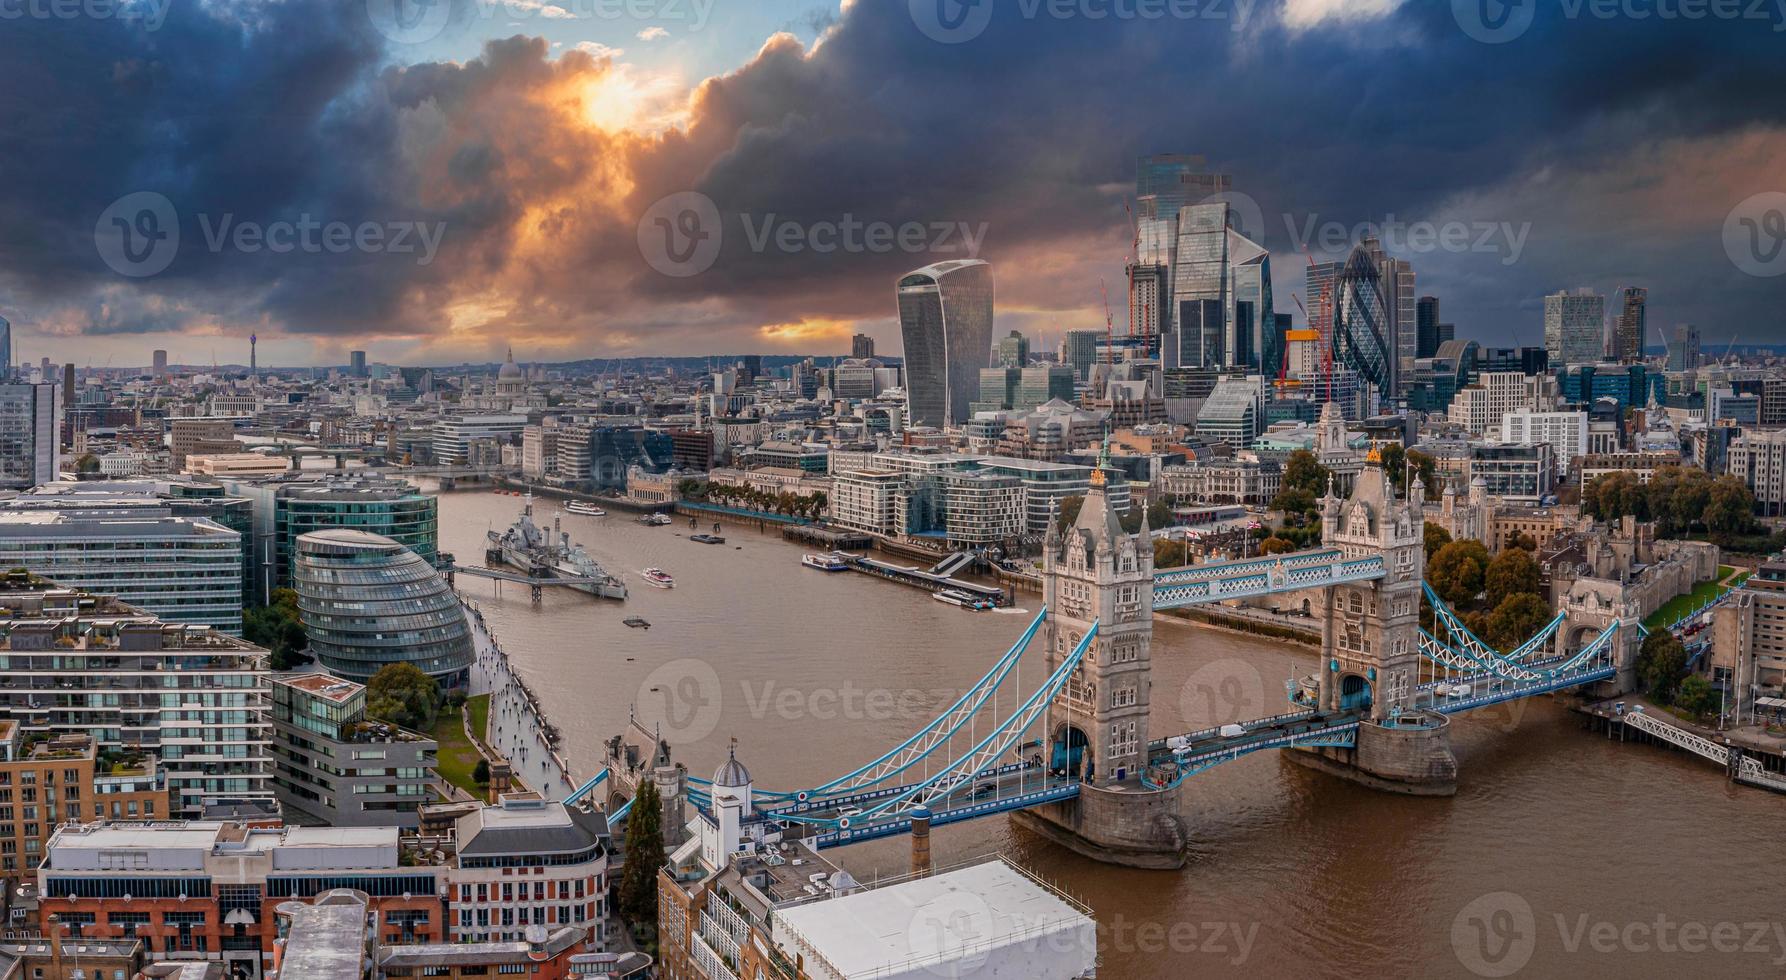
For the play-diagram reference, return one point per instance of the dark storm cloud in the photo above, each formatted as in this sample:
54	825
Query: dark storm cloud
286	112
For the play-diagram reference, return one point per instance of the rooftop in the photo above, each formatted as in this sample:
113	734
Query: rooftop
323	686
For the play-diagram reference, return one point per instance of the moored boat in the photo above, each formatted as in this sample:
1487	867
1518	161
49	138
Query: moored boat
966	600
830	561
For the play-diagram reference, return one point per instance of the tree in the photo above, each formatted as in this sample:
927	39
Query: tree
1696	697
1159	513
1295	502
1661	665
1730	507
1436	538
88	463
644	855
480	773
1069	511
1456	571
277	627
1512	572
404	696
1276	546
1516	619
1302	471
1168	553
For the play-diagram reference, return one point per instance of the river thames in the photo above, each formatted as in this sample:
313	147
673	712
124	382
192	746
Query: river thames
1562	852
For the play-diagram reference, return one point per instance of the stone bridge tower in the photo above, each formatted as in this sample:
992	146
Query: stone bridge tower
1097	730
1370	643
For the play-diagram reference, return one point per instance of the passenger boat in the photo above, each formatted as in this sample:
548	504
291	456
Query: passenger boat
707	538
659	578
966	600
636	623
585	508
655	520
830	561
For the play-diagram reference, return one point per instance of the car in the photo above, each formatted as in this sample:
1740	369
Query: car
984	790
850	811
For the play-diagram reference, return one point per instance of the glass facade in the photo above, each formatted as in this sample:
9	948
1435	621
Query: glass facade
1360	338
397	511
945	318
367	602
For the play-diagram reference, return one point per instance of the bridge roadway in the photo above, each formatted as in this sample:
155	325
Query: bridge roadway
1176	588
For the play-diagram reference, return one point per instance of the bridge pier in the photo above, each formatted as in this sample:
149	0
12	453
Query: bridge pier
1411	756
1128	826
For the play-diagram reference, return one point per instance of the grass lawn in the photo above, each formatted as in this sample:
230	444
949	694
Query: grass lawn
458	757
480	716
1681	605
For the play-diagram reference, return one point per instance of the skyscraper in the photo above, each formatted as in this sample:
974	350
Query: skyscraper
1575	327
945	320
1216	262
30	435
1174	180
1164	185
357	363
1079	350
1013	350
1683	348
1627	335
862	347
1401	321
1361	337
1426	320
5	348
159	368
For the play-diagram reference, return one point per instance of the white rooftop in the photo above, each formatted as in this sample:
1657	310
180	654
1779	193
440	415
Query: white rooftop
989	917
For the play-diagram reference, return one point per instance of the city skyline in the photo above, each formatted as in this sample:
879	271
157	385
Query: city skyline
1573	190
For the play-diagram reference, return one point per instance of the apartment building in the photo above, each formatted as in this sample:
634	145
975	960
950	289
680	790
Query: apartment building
181	569
1480	407
337	767
46	781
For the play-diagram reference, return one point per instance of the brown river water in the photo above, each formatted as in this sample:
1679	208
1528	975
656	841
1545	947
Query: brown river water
1562	854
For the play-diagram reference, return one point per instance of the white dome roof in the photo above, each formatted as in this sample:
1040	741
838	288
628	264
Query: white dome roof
732	772
510	371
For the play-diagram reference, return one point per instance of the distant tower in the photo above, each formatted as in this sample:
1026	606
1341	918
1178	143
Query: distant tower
159	368
253	358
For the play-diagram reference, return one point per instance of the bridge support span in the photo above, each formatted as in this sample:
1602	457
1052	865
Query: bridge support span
1412	757
1133	827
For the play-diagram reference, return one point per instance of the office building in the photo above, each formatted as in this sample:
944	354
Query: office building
1354	294
1683	348
158	364
1758	458
295	504
6	370
1523	474
1575	327
1079	350
235	466
1216	263
1013	350
1748	649
30	434
1233	411
1174	180
338	768
1565	432
368	602
51	781
357	363
861	347
1426	327
525	863
1496	394
945	318
207	436
1629	332
475	439
185	570
208	891
84	663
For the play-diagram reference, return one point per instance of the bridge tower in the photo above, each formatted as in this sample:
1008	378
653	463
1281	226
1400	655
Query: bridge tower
1097	730
1370	643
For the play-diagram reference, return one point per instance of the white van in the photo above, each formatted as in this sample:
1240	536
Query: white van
1230	731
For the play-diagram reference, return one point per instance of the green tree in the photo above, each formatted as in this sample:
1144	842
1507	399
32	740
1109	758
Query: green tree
1159	513
480	773
1730	507
1696	697
1661	665
1302	471
644	855
1069	511
1168	553
88	463
1510	573
404	696
1456	572
278	628
1295	503
1516	619
1436	538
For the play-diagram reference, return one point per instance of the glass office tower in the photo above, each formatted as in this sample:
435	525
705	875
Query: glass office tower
945	318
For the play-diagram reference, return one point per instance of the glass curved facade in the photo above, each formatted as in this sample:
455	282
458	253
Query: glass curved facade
1360	321
367	602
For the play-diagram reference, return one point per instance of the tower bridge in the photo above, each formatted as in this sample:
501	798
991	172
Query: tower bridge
1077	759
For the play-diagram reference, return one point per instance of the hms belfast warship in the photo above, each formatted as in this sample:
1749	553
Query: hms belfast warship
527	546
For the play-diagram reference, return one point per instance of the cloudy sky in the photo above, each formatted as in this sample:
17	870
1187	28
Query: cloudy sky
434	179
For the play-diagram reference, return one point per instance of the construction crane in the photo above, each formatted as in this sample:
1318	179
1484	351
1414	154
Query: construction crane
1109	325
